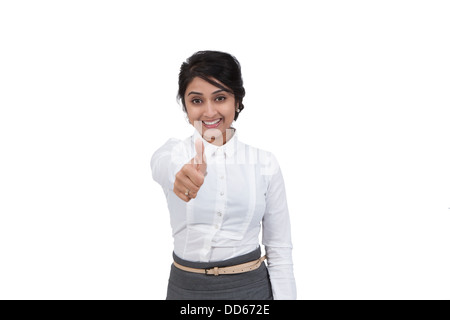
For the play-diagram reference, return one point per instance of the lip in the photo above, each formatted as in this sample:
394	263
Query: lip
212	126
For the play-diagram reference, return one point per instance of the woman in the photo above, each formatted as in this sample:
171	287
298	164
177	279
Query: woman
218	191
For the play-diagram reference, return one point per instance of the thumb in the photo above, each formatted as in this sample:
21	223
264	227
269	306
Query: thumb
200	159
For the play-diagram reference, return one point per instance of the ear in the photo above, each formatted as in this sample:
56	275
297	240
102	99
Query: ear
237	108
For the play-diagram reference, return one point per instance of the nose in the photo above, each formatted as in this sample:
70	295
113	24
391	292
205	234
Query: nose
210	110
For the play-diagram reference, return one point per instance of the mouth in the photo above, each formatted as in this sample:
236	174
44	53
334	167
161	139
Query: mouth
212	124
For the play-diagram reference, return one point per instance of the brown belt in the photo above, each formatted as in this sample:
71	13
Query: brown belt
239	268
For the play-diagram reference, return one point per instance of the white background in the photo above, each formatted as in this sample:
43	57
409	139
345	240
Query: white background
351	96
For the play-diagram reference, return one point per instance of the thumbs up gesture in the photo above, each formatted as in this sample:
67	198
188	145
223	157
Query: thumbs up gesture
192	175
200	159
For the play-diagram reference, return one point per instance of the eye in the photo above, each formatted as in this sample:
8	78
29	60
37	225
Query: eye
196	101
221	98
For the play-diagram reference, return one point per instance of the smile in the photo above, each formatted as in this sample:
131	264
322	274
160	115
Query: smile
212	124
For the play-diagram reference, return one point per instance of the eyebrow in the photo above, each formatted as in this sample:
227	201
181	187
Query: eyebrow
200	94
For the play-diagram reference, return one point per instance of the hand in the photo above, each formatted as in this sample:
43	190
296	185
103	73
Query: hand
192	175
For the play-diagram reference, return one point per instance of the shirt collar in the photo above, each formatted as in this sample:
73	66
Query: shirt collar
229	148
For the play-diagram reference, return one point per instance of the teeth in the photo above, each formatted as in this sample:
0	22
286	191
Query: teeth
211	123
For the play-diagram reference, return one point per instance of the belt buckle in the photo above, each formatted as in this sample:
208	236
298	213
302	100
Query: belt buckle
215	269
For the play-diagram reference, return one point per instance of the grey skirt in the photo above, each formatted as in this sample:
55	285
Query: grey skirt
252	285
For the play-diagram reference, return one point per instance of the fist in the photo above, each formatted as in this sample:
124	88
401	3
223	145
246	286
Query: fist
192	175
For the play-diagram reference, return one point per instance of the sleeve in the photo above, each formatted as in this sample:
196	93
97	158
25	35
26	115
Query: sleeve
166	162
277	237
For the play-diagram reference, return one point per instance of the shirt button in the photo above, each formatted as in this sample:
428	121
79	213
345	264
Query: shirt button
221	193
219	214
216	226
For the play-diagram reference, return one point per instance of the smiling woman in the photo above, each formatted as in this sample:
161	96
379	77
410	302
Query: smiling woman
219	191
211	90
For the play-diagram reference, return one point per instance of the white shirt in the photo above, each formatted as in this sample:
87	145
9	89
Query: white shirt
243	187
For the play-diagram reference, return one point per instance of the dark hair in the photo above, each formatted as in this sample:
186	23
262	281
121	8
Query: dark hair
210	65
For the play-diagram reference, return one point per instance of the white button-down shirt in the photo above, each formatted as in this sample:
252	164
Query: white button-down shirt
243	187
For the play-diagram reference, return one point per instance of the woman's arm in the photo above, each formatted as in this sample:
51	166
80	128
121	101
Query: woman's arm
165	165
173	173
277	239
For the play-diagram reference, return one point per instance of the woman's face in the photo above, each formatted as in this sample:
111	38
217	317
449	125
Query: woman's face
210	110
